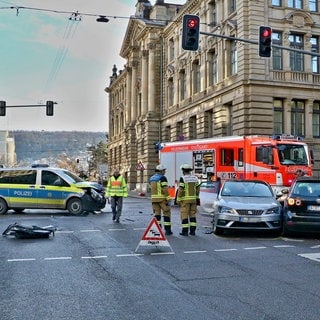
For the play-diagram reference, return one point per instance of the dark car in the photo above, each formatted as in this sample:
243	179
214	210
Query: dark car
301	211
246	204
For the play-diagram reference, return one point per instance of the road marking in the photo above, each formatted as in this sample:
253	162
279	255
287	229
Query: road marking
311	256
284	246
195	251
222	250
94	257
58	258
122	229
64	231
18	260
316	247
94	230
160	253
255	248
130	255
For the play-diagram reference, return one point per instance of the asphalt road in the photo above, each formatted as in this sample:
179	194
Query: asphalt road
94	268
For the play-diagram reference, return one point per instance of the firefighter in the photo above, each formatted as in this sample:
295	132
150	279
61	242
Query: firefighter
187	198
160	198
117	190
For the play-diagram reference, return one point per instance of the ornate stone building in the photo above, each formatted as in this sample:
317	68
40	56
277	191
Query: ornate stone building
166	93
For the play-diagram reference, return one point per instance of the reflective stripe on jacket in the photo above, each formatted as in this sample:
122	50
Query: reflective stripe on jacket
117	187
189	188
159	188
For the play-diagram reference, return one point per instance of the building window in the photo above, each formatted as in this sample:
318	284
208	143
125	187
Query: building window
180	136
297	4
213	67
276	3
182	85
208	123
296	58
278	116
171	49
315	59
277	52
313	5
297	118
193	127
167	133
232	6
316	119
170	92
233	57
196	77
213	11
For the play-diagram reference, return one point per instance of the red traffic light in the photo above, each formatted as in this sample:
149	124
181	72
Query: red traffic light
190	32
192	23
266	32
265	41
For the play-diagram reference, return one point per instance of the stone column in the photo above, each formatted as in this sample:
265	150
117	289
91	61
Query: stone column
134	90
287	116
144	83
128	96
151	74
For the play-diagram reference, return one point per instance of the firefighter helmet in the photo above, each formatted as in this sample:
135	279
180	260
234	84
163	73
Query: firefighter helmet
186	167
160	167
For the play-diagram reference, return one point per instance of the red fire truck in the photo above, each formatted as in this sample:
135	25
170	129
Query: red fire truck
273	159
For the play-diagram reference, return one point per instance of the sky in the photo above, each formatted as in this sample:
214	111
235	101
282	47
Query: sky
45	55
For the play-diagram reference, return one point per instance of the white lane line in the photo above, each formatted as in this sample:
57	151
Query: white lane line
139	229
311	256
284	246
254	248
160	253
130	255
94	257
196	251
64	231
222	250
316	247
94	230
117	229
18	260
58	258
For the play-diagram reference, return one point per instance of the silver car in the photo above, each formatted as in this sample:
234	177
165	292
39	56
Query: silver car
246	204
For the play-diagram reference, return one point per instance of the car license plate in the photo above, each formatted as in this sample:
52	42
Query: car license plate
246	219
314	208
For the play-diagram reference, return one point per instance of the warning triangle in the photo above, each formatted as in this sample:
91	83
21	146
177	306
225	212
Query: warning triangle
153	231
154	236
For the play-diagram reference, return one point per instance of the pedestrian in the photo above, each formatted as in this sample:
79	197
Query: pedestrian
160	198
187	198
116	190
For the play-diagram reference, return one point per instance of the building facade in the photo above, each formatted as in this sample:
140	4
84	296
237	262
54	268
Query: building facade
225	88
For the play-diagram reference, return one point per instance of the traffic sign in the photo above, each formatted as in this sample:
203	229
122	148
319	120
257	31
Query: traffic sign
153	236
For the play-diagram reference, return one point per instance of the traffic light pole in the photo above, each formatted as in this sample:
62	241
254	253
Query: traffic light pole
257	42
49	107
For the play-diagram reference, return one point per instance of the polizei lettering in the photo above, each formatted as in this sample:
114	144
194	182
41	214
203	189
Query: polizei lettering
20	193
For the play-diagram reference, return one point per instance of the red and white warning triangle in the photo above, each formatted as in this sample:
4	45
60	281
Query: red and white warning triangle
153	236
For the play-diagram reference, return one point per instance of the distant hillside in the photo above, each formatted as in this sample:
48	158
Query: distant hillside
35	145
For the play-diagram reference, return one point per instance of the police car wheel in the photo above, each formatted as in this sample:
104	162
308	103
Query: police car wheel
3	206
75	206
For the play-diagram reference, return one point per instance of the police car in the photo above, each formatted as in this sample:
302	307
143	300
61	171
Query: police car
43	187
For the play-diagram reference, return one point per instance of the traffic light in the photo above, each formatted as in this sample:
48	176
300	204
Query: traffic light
2	108
49	108
265	40
190	32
